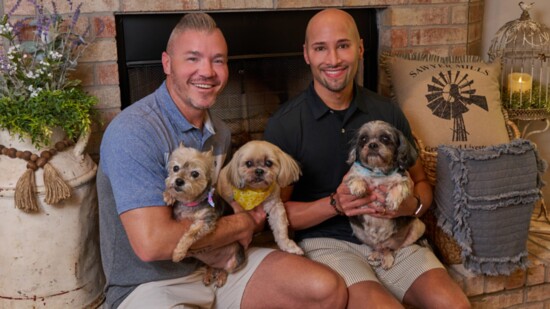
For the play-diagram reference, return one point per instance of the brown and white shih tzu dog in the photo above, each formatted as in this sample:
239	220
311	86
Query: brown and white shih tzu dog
255	175
381	156
189	190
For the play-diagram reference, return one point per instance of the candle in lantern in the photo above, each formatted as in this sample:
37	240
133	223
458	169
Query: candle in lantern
519	82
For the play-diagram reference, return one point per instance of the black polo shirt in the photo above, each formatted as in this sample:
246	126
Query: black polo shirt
320	140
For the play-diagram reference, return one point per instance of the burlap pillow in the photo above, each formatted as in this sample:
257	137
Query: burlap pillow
449	101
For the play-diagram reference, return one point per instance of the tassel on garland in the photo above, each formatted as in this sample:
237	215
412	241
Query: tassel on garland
56	188
25	198
25	189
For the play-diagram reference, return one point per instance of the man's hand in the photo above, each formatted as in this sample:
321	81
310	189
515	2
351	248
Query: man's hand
255	220
370	204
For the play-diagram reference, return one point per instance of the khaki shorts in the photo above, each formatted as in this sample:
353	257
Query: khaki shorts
190	292
350	261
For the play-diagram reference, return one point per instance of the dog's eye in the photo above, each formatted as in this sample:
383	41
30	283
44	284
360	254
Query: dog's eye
385	139
195	174
268	163
249	164
176	168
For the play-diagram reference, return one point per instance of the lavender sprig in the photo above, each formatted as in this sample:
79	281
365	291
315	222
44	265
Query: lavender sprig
44	62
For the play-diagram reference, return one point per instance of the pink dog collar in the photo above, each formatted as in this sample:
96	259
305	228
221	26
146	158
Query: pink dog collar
207	198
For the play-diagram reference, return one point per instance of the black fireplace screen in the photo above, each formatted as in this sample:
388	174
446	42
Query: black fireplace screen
266	66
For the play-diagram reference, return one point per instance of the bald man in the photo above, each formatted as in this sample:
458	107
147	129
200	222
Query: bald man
317	128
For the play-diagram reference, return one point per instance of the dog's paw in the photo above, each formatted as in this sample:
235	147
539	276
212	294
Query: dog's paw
178	255
357	187
381	259
375	259
291	247
214	275
168	198
387	261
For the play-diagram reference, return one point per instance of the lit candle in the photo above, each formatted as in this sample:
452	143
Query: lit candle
519	82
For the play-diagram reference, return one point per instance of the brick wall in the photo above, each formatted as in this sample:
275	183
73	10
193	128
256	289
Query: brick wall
442	27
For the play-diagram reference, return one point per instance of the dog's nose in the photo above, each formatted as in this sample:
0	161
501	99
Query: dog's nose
373	146
259	172
179	182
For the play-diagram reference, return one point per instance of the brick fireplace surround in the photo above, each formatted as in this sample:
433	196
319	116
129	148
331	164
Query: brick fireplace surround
442	27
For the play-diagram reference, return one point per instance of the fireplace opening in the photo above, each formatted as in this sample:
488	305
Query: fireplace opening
266	66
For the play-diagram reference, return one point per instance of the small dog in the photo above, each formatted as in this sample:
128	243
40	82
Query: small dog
256	174
381	155
189	189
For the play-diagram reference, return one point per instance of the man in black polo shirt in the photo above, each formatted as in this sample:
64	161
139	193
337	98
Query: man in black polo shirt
316	128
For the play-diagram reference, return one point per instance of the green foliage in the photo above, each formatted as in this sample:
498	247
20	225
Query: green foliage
537	98
70	109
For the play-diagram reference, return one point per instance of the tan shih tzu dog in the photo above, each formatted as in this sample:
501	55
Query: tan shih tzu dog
381	156
189	190
254	176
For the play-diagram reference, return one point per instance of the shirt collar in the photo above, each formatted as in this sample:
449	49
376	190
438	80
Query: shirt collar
175	116
319	108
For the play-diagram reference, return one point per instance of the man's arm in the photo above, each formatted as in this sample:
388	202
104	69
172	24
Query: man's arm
422	190
306	214
153	233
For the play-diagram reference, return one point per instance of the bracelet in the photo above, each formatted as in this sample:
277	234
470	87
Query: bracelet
419	206
333	204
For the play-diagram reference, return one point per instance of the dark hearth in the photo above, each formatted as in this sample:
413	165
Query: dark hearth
266	66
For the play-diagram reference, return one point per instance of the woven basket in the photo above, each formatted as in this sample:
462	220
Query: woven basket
445	246
528	114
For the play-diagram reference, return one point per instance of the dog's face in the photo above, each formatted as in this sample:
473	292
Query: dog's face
189	173
380	146
258	164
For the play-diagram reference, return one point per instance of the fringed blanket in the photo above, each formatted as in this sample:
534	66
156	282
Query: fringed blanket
485	198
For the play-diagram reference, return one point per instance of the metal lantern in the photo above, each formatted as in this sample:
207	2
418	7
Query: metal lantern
523	46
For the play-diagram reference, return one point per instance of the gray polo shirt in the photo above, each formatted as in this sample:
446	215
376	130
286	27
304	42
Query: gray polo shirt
132	169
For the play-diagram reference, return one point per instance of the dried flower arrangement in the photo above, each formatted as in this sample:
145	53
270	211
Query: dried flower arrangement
36	90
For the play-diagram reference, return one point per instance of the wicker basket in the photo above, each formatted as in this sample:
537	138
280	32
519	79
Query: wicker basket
445	246
528	114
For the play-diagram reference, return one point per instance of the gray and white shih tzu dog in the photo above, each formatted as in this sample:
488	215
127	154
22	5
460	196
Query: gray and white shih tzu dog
189	190
380	156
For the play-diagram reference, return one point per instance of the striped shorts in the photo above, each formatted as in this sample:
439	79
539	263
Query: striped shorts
350	261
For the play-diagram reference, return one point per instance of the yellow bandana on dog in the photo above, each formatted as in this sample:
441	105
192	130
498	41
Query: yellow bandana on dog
249	198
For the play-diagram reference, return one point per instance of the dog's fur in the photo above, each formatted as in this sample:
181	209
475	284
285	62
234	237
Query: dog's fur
381	155
259	165
189	191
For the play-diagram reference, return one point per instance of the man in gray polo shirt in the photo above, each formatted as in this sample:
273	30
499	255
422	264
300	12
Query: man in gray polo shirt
137	231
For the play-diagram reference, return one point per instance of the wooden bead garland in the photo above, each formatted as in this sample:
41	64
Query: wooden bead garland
56	188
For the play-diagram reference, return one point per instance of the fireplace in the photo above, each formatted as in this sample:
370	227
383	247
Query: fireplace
266	66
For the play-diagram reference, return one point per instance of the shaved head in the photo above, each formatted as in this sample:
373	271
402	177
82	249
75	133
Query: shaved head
329	18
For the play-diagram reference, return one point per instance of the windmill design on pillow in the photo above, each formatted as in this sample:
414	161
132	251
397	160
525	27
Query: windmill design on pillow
449	96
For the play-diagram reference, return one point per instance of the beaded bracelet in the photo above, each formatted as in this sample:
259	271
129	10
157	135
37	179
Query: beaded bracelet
333	204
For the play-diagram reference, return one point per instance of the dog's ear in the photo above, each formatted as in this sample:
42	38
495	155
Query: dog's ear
290	170
406	153
233	175
210	159
352	157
